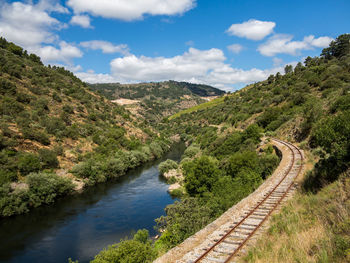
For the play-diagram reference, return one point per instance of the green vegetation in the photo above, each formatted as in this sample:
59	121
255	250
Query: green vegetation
307	105
139	249
39	188
51	120
167	165
311	228
154	101
202	106
214	184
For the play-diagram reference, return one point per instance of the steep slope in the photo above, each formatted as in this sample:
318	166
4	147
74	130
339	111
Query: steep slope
308	105
50	122
153	101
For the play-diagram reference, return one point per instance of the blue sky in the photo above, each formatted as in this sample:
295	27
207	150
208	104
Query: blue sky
225	43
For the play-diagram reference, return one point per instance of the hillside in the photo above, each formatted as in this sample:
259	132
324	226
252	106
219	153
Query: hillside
310	106
55	131
153	101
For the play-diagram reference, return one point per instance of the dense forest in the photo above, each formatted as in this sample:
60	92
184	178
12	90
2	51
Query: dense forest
57	135
308	105
154	101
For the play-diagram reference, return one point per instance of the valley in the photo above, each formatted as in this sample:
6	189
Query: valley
61	138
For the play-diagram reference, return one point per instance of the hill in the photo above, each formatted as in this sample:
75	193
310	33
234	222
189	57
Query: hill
56	132
308	105
154	101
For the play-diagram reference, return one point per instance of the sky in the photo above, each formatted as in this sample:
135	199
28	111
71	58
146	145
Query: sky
224	43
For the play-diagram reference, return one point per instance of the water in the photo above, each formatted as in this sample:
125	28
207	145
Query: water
80	226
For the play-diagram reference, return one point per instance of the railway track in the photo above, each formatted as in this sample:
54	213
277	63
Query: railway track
232	241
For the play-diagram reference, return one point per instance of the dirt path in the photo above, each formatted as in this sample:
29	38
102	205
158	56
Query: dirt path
195	245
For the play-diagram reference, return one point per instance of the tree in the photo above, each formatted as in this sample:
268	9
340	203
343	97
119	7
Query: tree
201	175
167	165
337	48
28	163
288	69
136	250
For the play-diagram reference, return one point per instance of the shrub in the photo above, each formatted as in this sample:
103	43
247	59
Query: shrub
115	166
44	188
156	149
201	175
167	165
28	163
91	170
136	250
23	98
48	158
67	108
36	135
191	151
7	87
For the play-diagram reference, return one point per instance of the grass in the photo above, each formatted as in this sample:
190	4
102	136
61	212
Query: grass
310	228
202	106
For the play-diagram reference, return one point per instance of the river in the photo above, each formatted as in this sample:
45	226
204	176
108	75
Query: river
81	225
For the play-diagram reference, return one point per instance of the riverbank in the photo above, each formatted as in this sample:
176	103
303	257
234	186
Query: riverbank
80	226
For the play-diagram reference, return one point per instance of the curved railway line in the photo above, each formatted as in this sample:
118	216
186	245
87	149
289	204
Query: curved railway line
231	243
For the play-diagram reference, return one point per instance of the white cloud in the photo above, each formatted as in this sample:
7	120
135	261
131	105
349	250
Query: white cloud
197	66
27	25
131	10
66	52
283	44
191	64
320	42
106	47
235	48
81	20
92	77
252	29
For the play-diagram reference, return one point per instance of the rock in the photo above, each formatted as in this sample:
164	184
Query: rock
174	187
171	173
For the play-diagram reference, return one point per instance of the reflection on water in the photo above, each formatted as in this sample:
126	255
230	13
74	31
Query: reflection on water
79	226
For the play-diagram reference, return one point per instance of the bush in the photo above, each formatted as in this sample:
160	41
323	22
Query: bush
136	250
167	165
91	170
156	149
201	175
48	158
28	163
44	188
36	135
7	87
191	151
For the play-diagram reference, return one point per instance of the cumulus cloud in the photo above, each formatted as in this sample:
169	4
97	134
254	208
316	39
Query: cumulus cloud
81	20
192	63
130	10
92	77
283	44
252	29
65	53
196	66
235	48
27	25
106	47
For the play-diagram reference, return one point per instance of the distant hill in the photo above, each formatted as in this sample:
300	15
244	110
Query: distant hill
154	101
